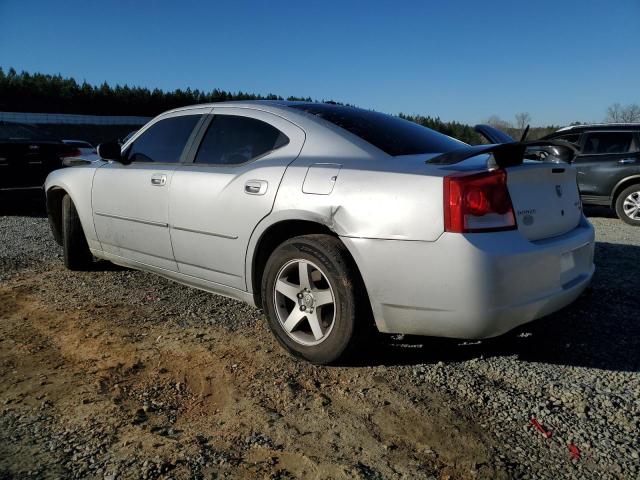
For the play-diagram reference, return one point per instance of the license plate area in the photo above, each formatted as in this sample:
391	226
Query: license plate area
575	262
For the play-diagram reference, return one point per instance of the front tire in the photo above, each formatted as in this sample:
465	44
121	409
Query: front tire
309	294
76	253
628	205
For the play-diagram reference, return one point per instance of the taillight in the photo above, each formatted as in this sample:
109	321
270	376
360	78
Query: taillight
70	153
478	202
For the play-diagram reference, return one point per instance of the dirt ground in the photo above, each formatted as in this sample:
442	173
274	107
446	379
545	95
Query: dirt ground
117	374
201	402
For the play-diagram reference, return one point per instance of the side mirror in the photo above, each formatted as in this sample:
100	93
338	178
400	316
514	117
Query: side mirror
111	151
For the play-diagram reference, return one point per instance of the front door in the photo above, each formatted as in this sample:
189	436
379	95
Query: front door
131	202
218	199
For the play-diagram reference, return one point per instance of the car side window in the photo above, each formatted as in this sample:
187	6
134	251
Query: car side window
571	138
232	140
164	141
608	142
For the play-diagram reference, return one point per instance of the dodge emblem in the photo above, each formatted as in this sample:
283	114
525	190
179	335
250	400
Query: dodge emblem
559	190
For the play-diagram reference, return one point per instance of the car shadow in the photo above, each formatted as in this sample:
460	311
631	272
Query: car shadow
23	204
601	212
100	265
601	329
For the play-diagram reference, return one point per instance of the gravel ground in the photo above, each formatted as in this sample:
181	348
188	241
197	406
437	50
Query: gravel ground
115	373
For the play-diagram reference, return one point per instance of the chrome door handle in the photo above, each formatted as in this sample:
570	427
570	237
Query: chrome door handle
256	187
624	161
158	179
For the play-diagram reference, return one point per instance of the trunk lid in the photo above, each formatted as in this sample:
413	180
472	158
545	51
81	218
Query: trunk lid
545	198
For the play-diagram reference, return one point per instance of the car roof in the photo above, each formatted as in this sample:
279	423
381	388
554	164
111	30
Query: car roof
599	126
261	104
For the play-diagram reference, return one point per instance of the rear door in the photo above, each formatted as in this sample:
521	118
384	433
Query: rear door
131	202
230	185
605	158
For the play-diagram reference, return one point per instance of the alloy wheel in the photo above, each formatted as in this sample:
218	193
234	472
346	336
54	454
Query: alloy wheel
304	301
631	205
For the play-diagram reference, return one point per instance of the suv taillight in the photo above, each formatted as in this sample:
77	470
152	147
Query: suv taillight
70	153
478	202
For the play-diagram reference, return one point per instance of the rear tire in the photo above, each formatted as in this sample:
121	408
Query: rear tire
628	205
310	292
76	253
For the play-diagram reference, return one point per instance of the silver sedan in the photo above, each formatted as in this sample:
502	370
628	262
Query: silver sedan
335	220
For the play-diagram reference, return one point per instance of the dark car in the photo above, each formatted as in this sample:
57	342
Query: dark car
27	155
607	160
608	163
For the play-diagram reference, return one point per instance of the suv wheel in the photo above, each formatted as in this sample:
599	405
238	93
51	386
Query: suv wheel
628	205
308	290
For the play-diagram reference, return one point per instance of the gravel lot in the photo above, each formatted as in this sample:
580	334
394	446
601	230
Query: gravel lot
115	373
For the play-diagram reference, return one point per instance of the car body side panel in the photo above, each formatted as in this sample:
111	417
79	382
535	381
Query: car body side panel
369	200
386	198
182	278
211	214
131	212
599	174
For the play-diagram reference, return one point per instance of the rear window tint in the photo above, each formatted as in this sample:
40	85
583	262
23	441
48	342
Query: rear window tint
392	135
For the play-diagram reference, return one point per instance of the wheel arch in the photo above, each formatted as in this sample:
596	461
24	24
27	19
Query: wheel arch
621	185
54	196
275	233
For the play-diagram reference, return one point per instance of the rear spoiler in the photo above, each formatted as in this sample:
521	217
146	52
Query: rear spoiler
510	154
493	135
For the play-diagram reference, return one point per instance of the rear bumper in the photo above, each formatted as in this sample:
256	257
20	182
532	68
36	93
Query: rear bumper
473	285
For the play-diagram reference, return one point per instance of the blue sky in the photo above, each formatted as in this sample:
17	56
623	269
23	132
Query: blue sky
561	61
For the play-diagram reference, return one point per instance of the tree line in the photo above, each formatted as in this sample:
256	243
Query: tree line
38	92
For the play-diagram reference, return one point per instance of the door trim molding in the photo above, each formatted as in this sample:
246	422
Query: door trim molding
190	230
132	219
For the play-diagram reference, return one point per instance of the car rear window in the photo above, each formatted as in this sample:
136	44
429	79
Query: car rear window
392	135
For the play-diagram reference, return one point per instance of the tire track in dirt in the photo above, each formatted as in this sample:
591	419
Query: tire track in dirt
197	401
